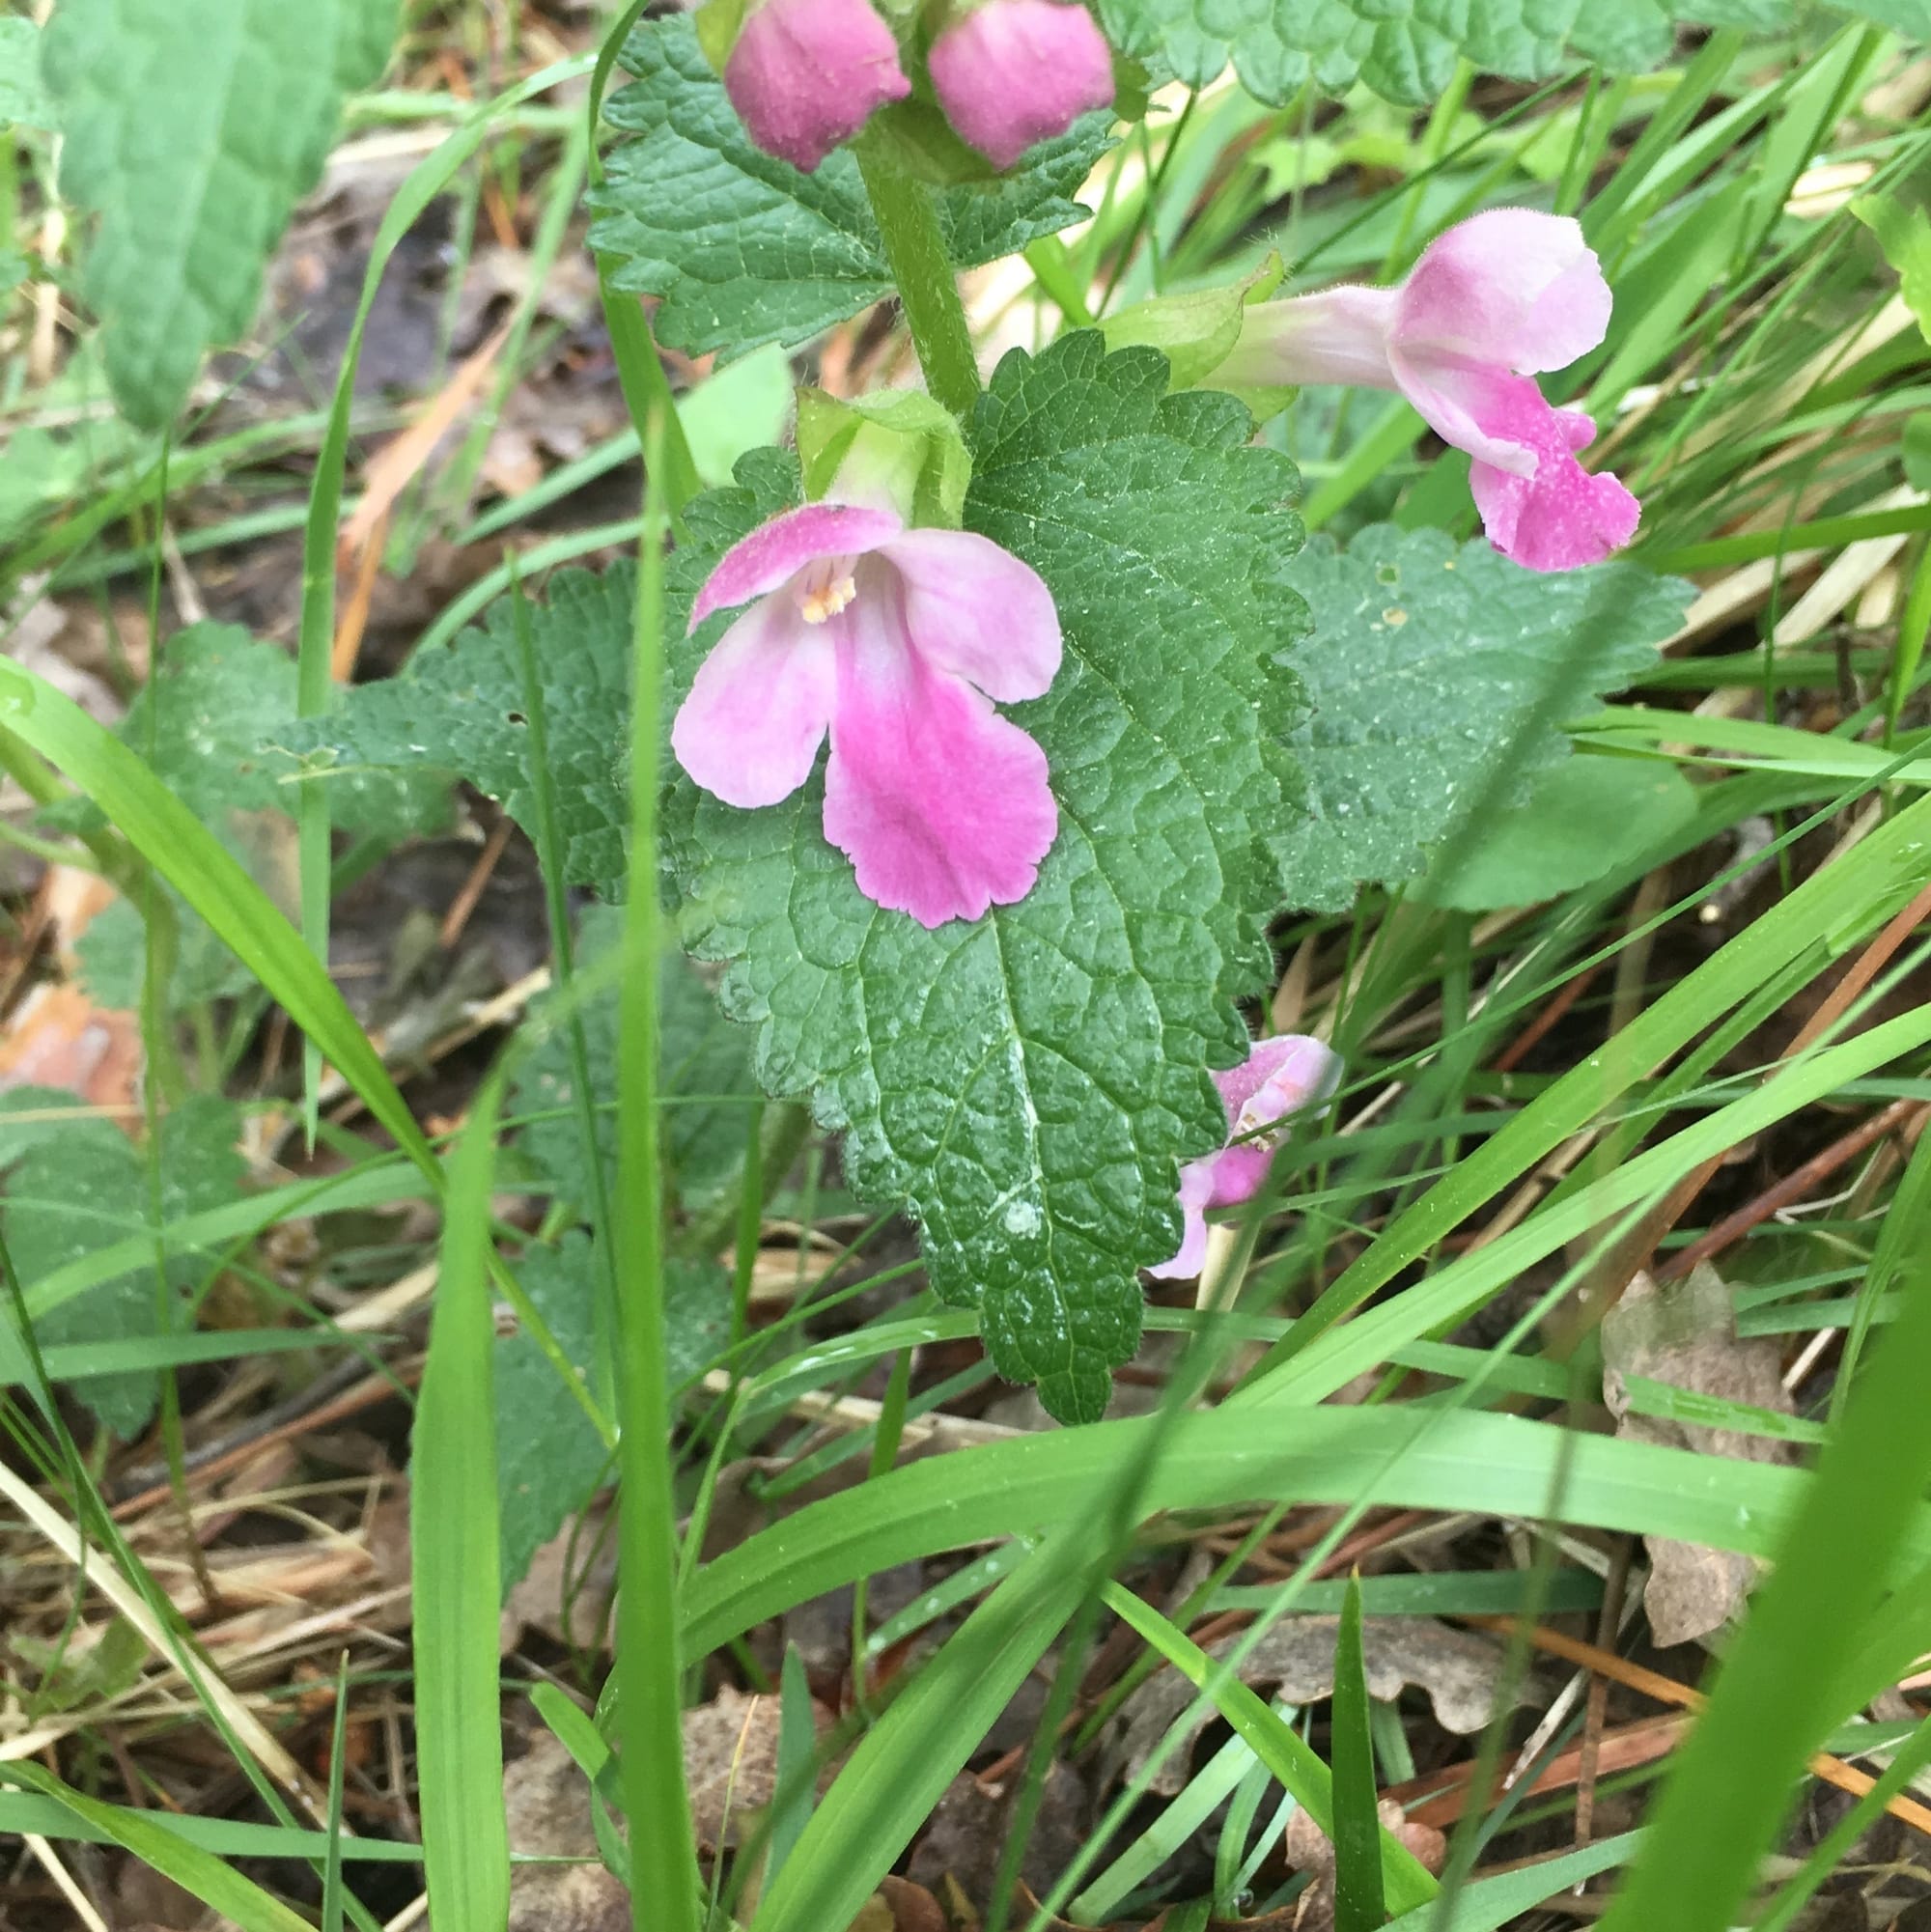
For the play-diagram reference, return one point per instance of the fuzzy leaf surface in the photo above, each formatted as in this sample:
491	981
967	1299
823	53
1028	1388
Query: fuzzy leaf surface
1029	1083
1440	675
1406	50
706	1077
76	1183
224	720
459	713
23	100
194	127
743	248
548	1457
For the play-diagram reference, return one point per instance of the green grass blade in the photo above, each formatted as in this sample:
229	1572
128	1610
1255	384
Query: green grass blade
1504	1900
454	1566
212	1881
648	1675
1360	1899
1826	914
1784	1682
224	1838
331	1868
908	1757
189	857
1438	1459
315	688
1402	1877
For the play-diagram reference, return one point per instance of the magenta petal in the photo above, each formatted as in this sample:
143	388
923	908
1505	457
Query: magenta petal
942	805
1512	287
806	74
1013	72
758	709
1337	335
1277	1078
1196	1186
779	549
974	609
1563	515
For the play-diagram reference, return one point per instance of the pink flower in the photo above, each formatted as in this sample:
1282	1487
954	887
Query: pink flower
894	641
1278	1078
1013	72
806	74
1495	301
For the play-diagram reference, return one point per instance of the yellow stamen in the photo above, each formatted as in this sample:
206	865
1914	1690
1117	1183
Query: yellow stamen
826	600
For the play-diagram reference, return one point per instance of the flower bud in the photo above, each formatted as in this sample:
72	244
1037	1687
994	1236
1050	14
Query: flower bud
1013	72
808	74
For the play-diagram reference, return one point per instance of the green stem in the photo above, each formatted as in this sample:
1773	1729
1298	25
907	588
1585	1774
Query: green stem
928	285
664	1894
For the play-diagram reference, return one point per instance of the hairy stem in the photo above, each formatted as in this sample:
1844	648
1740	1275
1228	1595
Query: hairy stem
928	286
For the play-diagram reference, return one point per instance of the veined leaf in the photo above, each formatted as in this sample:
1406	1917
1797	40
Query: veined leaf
1029	1081
1433	662
192	128
23	100
1407	50
77	1184
743	248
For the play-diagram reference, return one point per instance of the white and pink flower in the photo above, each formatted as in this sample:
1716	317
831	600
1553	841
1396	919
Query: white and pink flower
1498	300
895	642
1011	73
808	74
1279	1078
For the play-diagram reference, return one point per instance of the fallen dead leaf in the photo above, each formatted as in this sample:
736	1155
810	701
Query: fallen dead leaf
1685	1335
57	1037
731	1761
960	1846
1460	1670
547	1800
1309	1848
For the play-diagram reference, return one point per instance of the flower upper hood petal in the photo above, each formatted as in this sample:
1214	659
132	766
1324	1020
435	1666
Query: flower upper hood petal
777	551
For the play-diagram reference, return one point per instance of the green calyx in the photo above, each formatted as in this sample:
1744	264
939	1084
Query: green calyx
1197	331
900	450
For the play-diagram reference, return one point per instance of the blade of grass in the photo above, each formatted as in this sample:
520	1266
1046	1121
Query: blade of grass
331	1869
208	1878
455	1567
188	857
1360	1899
1781	1686
1500	1465
905	1762
648	1670
1279	1747
315	683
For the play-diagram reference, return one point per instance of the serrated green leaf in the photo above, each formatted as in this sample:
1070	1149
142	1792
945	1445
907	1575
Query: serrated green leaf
226	712
548	1457
1433	661
224	716
1578	820
1407	50
78	1184
1030	1081
192	128
746	250
458	711
23	98
112	956
1904	234
707	1078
